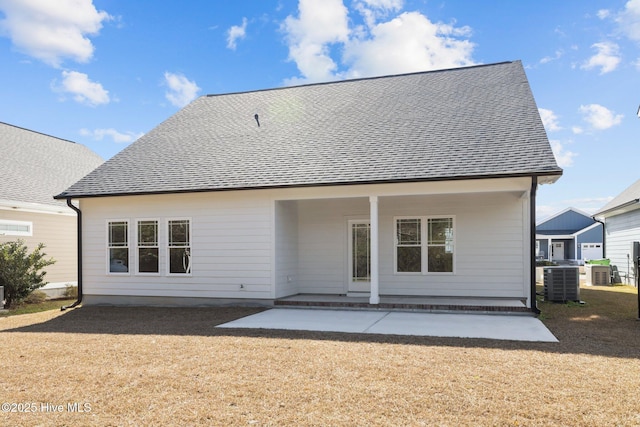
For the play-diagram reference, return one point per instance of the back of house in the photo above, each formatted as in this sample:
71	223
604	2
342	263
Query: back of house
412	185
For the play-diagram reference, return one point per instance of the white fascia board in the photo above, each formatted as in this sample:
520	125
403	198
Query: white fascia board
12	205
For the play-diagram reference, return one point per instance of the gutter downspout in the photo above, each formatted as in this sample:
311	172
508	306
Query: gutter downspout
604	240
79	231
532	226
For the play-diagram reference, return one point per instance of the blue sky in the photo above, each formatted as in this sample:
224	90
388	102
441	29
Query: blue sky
104	72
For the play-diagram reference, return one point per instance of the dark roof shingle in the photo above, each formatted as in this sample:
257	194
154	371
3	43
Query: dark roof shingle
34	167
466	122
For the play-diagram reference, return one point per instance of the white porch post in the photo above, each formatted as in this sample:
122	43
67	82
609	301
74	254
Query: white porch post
373	207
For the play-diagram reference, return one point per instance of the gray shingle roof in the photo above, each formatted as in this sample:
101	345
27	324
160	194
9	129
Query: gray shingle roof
35	167
468	122
630	194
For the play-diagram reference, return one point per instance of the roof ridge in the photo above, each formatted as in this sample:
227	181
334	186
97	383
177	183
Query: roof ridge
211	95
39	133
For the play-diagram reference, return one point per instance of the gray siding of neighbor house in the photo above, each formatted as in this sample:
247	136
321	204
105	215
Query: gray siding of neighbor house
58	233
567	223
621	230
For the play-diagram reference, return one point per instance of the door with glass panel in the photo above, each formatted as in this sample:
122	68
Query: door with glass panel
359	256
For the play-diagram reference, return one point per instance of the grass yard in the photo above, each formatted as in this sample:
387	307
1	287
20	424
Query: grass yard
54	304
152	366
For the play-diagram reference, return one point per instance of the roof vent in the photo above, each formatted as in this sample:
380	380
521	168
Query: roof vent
257	119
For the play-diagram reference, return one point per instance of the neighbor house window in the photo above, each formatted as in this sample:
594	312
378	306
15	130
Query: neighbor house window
179	246
148	249
424	245
118	246
15	228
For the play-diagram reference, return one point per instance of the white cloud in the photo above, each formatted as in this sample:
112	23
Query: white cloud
604	13
117	137
629	20
372	10
408	42
549	120
52	30
236	32
607	58
318	25
563	157
558	55
82	89
577	130
599	117
181	90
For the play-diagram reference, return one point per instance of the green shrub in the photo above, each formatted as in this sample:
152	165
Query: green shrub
21	272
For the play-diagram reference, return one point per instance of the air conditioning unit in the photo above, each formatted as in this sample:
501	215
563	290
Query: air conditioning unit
598	275
561	284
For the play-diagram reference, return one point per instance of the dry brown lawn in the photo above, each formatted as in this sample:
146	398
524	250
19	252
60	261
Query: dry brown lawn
153	366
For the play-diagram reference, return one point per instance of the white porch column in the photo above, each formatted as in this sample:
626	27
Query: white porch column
373	207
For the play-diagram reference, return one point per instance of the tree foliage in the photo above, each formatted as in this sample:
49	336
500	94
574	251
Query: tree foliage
21	272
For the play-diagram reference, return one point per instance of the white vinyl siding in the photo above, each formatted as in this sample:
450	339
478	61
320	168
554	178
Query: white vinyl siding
490	243
621	230
230	243
263	244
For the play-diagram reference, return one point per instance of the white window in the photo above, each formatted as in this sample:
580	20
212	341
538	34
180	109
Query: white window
148	249
118	245
15	228
179	246
424	245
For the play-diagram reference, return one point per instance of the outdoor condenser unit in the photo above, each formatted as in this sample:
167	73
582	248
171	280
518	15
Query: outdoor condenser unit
561	284
598	275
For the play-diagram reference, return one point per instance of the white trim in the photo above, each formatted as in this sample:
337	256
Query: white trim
13	205
589	228
451	187
108	246
424	245
189	272
136	254
16	232
374	224
273	249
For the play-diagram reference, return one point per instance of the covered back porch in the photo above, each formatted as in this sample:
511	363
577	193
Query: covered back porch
454	245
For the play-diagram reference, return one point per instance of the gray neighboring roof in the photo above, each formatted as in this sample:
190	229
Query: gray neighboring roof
35	167
460	123
630	196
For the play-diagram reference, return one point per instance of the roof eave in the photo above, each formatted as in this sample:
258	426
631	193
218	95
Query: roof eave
620	209
546	177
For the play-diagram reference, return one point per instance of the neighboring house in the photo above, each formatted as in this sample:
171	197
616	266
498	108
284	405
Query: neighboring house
415	185
621	217
569	235
33	168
